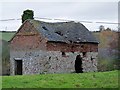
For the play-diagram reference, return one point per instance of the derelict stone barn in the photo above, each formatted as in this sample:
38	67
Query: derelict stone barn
43	47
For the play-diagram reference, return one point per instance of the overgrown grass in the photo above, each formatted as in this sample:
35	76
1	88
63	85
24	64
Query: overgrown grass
107	64
82	80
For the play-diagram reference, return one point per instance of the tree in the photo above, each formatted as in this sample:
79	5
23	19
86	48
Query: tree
101	28
108	29
27	14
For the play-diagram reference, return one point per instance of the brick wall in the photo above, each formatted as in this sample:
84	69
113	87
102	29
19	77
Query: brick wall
86	47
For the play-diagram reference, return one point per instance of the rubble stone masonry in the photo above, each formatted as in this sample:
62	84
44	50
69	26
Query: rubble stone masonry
36	62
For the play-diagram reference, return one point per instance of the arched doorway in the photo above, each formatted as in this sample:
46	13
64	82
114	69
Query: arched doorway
78	64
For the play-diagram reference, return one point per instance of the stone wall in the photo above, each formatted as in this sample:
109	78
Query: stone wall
36	62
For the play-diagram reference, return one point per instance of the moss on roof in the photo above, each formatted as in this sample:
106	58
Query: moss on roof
64	31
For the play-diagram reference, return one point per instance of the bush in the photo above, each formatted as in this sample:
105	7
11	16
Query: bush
27	14
107	64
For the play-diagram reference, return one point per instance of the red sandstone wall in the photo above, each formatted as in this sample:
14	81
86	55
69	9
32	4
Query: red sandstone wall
88	47
27	38
27	42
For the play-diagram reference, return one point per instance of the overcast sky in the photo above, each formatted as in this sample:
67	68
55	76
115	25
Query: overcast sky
77	11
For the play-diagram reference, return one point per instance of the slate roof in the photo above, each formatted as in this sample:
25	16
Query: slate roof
64	31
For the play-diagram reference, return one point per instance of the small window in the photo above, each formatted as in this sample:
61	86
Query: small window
84	54
82	46
92	58
72	51
72	47
63	54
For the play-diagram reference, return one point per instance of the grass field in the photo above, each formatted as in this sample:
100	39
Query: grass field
82	80
0	83
7	35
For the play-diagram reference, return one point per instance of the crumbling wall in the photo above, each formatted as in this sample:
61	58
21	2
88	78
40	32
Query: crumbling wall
72	47
89	62
41	56
37	62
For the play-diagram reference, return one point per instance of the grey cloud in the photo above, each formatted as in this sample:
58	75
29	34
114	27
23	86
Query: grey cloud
92	11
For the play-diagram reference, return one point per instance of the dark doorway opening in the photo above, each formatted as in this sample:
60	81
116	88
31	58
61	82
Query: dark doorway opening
18	67
78	64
